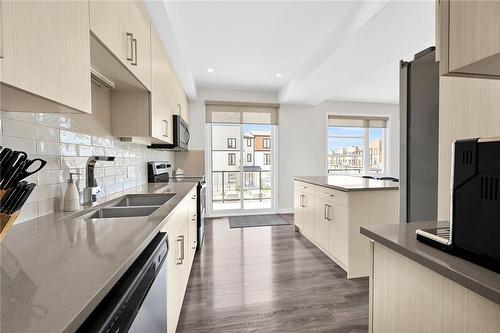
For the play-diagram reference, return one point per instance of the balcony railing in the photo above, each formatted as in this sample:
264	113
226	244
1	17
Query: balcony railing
226	186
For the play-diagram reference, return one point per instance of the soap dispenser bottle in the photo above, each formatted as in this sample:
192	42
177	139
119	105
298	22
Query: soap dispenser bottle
71	196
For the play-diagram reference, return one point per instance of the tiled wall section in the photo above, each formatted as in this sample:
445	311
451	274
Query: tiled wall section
65	142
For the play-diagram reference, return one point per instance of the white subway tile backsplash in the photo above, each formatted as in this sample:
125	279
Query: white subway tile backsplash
26	145
66	142
22	116
47	133
46	177
53	148
20	129
72	137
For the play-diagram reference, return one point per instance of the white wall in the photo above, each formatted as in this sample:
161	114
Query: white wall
301	131
302	141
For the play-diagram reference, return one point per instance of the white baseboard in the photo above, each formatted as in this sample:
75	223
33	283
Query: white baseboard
285	211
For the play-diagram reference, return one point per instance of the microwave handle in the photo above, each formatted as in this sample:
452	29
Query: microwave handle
187	136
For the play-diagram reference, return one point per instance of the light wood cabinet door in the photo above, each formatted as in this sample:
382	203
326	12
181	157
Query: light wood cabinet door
339	233
140	26
322	215
297	209
46	50
308	214
110	23
161	101
193	233
469	38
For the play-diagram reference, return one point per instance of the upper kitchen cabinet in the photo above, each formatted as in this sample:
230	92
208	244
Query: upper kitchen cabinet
182	103
162	102
123	27
46	56
469	38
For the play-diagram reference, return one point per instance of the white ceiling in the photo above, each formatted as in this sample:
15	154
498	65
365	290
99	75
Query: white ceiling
326	50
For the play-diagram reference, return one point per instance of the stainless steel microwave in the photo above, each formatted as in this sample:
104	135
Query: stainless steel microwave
181	136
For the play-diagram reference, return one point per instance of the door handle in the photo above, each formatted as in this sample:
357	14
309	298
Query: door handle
180	240
134	43
130	51
165	128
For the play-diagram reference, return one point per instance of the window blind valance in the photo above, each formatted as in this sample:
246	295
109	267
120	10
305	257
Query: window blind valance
357	121
241	112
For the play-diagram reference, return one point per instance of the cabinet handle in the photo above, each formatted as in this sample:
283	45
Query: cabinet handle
134	43
194	246
193	197
328	215
165	128
194	218
325	212
180	240
130	51
331	195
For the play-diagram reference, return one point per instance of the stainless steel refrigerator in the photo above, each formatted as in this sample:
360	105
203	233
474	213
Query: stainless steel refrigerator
419	128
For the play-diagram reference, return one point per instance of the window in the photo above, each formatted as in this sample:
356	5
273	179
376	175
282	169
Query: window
266	143
231	159
231	142
249	142
267	159
249	157
356	145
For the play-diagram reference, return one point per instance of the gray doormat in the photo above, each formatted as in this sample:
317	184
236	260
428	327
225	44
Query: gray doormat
248	221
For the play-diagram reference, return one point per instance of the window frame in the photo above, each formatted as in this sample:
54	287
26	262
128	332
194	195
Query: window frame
268	140
249	158
249	142
229	157
267	159
229	146
366	142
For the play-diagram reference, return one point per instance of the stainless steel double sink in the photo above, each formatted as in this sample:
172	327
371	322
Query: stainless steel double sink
132	205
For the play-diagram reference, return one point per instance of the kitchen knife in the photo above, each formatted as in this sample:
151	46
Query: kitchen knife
20	171
25	193
13	196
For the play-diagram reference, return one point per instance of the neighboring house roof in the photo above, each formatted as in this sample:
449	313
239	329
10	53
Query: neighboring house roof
248	135
261	133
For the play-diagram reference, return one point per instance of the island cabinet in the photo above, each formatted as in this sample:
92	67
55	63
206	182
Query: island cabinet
181	237
418	288
331	218
468	38
123	27
45	49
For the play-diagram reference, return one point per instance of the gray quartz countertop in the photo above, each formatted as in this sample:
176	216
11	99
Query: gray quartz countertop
55	269
402	239
349	183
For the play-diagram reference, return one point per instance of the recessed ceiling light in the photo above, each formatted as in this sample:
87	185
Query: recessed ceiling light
279	75
210	70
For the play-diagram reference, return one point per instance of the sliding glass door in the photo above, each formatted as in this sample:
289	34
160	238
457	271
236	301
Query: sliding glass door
241	167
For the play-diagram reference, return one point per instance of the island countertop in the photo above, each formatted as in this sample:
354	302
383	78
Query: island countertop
401	238
349	183
57	268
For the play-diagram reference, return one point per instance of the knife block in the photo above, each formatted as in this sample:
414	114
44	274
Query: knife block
6	220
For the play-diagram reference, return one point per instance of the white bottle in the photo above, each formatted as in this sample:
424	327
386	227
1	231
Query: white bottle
71	196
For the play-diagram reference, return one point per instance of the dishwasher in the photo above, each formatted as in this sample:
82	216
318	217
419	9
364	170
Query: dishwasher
138	301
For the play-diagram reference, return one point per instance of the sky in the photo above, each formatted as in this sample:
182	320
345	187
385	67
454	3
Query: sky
334	144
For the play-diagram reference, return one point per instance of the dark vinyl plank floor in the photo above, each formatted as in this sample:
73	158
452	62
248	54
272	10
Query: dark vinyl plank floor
269	279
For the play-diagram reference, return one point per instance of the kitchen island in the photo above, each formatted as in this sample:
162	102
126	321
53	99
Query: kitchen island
417	288
57	268
330	210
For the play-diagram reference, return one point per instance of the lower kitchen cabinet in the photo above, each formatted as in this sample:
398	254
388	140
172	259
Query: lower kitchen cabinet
180	256
331	220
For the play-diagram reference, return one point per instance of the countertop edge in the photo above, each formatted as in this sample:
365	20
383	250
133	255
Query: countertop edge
78	320
345	189
463	280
